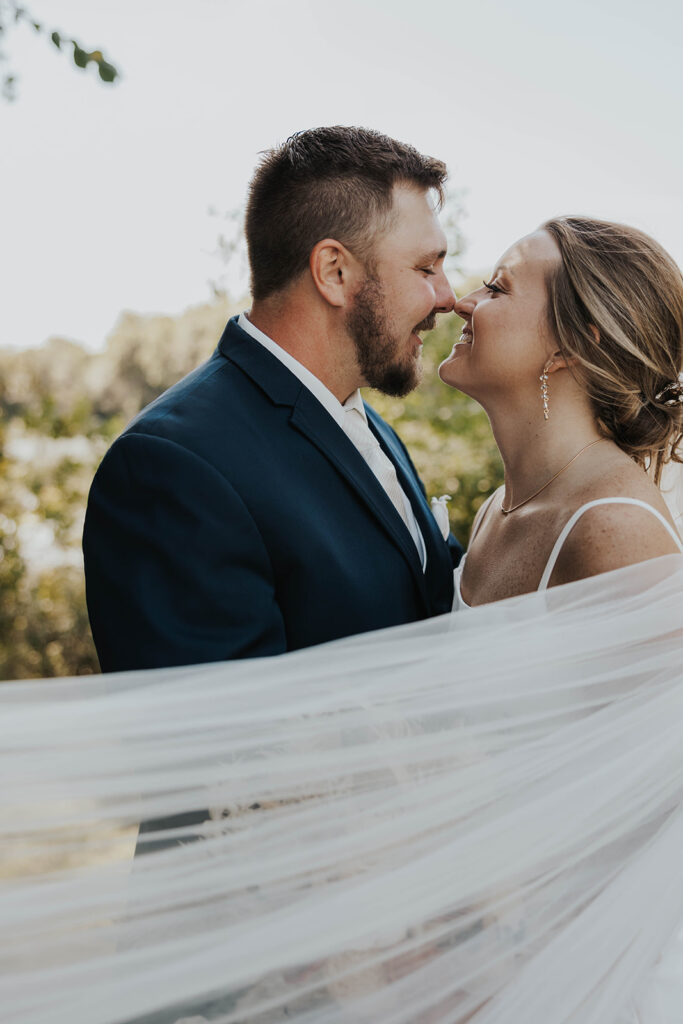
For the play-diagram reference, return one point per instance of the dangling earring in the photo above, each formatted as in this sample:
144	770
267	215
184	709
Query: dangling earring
544	388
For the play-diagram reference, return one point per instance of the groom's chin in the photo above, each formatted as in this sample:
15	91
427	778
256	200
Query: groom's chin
399	381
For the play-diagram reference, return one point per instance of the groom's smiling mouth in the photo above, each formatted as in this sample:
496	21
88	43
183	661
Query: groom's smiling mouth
427	324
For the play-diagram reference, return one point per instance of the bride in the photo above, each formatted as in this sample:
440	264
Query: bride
574	348
478	818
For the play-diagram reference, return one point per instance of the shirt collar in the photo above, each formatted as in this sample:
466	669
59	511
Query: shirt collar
355	401
308	379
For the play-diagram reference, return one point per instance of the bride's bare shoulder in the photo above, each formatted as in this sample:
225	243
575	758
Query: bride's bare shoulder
611	536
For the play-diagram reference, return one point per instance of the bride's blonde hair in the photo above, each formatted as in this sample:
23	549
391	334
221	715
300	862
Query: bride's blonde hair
618	280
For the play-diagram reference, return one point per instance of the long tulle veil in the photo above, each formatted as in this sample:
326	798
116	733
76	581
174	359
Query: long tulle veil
478	818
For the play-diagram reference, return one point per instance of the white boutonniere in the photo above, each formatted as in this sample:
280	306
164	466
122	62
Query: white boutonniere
440	513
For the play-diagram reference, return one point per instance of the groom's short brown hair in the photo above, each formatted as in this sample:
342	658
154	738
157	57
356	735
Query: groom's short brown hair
326	183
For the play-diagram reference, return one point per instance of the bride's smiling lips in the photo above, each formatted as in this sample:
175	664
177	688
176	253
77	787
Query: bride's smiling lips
465	339
462	344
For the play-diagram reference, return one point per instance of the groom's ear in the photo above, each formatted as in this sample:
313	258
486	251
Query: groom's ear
334	271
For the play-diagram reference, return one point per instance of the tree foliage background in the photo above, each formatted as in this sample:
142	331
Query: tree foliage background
61	408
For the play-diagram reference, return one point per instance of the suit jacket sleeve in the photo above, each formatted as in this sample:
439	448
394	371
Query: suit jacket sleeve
176	570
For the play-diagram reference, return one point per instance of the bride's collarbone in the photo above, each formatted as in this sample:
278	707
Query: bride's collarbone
509	552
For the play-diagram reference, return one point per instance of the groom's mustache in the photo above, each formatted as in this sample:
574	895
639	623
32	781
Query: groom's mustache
427	324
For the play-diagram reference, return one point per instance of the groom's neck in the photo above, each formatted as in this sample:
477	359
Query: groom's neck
311	336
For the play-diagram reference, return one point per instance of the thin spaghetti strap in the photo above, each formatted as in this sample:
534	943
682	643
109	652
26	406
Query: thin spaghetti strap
482	516
569	526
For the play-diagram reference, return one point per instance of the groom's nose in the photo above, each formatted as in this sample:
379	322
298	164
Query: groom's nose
445	296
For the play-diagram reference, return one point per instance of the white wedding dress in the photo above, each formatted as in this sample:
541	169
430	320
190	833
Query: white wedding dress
476	819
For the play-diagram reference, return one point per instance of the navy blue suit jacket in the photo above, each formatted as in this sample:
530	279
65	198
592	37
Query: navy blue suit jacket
234	518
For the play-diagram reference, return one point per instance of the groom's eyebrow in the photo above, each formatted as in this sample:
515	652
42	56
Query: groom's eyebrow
433	256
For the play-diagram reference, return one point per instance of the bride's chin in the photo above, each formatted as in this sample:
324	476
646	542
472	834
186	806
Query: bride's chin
448	374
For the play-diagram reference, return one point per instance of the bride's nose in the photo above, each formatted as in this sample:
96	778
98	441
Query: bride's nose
464	307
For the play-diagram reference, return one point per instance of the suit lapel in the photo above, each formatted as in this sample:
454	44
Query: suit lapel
265	369
315	423
439	571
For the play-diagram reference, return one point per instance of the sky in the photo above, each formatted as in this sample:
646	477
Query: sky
106	192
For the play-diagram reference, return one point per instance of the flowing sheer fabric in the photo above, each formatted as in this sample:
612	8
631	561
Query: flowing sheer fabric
475	818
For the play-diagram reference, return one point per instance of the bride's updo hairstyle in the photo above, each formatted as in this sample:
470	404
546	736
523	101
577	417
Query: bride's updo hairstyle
619	280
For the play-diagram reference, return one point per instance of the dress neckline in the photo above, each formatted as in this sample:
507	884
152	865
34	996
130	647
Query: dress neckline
564	533
462	603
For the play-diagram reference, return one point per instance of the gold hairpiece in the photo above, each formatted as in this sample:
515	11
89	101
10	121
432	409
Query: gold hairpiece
671	393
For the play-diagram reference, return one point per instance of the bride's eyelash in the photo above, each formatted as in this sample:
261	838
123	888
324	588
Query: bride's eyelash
492	287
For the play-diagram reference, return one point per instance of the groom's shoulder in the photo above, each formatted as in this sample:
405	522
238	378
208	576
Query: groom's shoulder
187	399
214	395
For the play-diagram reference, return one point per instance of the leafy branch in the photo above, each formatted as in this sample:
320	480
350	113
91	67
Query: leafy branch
13	13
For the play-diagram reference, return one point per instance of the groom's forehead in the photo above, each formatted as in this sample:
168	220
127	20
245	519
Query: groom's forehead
413	224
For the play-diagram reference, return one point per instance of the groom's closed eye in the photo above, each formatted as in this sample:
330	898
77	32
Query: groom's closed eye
426	263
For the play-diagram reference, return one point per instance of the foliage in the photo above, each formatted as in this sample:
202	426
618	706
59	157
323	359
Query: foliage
13	13
49	634
60	408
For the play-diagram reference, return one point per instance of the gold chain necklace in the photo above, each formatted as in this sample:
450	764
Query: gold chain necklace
506	511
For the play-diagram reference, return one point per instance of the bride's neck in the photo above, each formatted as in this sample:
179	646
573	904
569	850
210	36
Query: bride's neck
534	449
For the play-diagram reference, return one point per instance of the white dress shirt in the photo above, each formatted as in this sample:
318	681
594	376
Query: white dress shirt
338	412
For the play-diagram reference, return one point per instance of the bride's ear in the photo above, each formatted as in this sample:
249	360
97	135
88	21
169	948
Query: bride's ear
558	362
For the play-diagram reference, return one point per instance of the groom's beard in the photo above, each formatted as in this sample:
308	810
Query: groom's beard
387	363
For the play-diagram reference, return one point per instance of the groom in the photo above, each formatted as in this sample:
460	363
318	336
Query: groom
259	505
